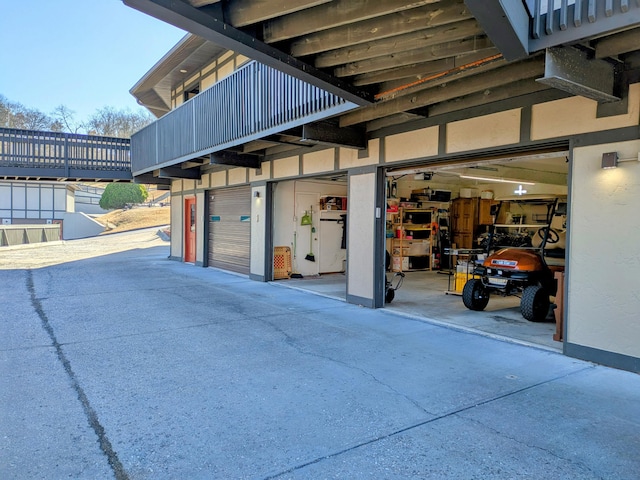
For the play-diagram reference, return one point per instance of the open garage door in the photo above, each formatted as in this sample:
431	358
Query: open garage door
229	243
440	218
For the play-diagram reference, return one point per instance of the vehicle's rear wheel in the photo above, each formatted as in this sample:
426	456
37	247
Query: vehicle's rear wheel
474	295
389	295
535	303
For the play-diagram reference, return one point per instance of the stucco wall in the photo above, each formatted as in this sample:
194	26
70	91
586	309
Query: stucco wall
408	145
488	131
286	167
200	240
218	179
575	115
603	303
34	200
237	176
177	229
258	230
79	225
361	236
209	75
316	162
352	158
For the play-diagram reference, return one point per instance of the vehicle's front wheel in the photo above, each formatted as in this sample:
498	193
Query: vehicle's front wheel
474	295
535	303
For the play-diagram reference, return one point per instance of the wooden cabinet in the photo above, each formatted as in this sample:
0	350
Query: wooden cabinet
484	211
464	221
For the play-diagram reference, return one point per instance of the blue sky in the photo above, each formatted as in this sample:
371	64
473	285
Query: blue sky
85	54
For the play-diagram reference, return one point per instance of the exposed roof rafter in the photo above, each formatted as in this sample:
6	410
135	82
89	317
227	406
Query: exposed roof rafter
183	15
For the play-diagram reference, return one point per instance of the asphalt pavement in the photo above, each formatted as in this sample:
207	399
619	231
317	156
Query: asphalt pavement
116	362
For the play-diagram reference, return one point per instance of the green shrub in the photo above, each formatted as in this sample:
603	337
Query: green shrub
119	195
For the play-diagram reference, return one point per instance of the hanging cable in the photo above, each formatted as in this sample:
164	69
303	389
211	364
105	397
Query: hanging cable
435	76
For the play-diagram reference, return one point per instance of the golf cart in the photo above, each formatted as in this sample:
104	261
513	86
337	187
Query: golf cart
521	257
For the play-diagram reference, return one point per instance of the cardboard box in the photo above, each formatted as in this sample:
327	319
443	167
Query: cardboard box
399	264
330	202
418	247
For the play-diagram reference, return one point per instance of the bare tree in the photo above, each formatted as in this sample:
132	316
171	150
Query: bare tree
16	115
5	112
33	119
64	116
106	121
111	122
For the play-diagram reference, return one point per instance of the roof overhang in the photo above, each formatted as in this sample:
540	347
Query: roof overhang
214	29
189	55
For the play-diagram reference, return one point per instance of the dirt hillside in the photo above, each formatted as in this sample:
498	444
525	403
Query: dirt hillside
135	218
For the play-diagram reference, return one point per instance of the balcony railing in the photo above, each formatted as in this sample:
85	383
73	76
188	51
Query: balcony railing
557	22
31	153
253	102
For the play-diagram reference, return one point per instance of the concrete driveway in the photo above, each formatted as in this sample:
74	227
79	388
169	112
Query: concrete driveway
119	363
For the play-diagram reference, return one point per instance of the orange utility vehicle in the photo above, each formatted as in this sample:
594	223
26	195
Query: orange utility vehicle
521	263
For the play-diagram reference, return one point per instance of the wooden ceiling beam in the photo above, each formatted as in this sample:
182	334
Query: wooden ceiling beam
489	95
380	27
200	23
283	149
176	172
393	89
401	59
409	41
195	163
241	13
331	15
619	43
429	69
202	3
391	120
257	145
433	95
227	157
420	70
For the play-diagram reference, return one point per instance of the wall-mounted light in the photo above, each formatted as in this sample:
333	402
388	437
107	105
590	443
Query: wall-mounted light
611	160
256	194
495	179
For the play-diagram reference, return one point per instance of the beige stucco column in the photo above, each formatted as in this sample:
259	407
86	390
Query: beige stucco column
259	244
603	314
201	240
362	248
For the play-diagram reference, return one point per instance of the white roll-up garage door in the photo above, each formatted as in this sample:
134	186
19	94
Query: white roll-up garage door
229	243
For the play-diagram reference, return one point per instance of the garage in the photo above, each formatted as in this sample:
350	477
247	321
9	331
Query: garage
438	221
229	238
309	221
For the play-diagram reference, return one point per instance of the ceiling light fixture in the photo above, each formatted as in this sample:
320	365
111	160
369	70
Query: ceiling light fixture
182	70
494	179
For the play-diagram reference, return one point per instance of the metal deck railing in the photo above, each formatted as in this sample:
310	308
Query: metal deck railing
253	102
57	155
556	22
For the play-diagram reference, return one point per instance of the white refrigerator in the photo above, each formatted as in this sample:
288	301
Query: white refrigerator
332	257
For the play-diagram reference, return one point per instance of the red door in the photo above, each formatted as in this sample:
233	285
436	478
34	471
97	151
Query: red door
190	230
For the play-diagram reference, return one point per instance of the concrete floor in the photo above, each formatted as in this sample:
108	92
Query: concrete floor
116	362
422	295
